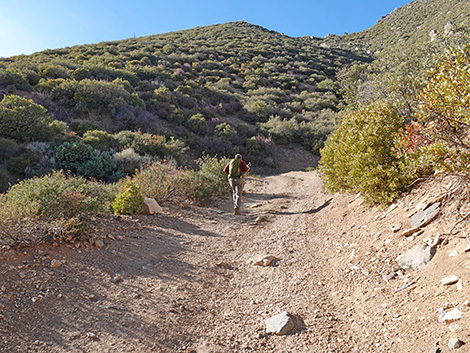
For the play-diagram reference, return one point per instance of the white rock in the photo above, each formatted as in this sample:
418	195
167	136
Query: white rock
449	280
453	253
460	285
263	260
449	316
279	324
151	206
454	343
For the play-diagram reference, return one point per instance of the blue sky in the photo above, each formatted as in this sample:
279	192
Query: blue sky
28	26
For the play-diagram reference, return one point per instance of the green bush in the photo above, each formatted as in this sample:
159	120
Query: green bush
8	148
160	181
444	111
100	166
130	199
197	124
70	156
128	161
124	139
224	131
212	168
17	165
23	120
99	139
53	206
359	156
4	183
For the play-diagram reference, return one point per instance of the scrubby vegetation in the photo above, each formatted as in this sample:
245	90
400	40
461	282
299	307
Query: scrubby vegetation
96	128
405	116
59	207
178	89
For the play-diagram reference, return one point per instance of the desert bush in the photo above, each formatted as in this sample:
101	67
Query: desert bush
124	139
17	165
4	184
224	131
81	127
51	207
8	148
160	181
128	161
444	111
196	187
99	139
129	200
359	156
197	124
100	166
69	156
23	120
213	169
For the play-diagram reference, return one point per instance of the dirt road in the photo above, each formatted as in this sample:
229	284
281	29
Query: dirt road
183	281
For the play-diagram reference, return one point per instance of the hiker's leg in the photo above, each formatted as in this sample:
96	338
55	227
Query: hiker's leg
235	195
238	193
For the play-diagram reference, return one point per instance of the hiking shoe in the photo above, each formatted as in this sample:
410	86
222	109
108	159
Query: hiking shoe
237	212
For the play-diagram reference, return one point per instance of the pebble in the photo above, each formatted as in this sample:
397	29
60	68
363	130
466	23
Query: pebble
91	335
99	243
56	263
454	343
116	278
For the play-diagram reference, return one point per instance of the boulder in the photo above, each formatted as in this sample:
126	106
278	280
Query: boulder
280	324
151	206
416	258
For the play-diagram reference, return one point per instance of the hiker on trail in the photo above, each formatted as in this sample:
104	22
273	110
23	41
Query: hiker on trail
236	170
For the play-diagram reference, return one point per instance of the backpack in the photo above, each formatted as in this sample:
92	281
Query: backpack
234	168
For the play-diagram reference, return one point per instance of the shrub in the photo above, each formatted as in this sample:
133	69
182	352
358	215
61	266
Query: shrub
444	111
22	120
124	138
213	169
359	156
130	199
197	124
4	184
128	161
159	181
100	166
71	155
53	206
224	131
99	139
17	165
8	148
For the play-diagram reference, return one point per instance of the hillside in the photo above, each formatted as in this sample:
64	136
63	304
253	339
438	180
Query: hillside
408	26
210	87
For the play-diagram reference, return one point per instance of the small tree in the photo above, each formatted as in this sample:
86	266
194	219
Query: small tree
360	157
444	110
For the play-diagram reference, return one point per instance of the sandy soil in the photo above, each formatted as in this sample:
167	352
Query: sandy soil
182	281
